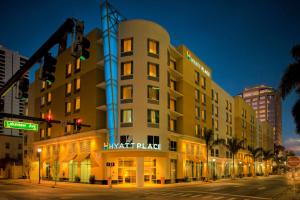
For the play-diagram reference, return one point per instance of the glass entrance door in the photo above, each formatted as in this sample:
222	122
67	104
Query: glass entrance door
173	170
127	170
150	170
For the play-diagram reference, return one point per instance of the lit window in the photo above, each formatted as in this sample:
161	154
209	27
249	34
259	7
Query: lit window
68	107
197	111
172	104
43	85
172	84
127	45
172	124
126	116
42	133
203	98
197	95
153	47
197	77
68	69
48	131
126	70
153	93
43	115
49	98
203	82
77	104
43	100
197	130
77	84
173	64
153	116
78	65
203	114
68	88
126	92
153	71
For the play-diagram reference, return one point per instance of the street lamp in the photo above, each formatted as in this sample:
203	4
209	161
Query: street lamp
39	150
214	168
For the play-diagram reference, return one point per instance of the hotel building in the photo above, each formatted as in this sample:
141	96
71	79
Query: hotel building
266	102
148	105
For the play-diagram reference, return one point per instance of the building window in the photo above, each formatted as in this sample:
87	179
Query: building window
216	125
48	132
43	85
127	47
126	117
42	133
42	100
203	82
77	84
217	152
49	97
203	98
153	118
153	71
197	130
77	104
172	124
152	139
68	107
7	145
197	112
68	89
172	104
126	139
203	115
153	94
197	95
68	70
153	48
212	152
126	70
68	128
126	93
172	145
172	84
77	65
172	64
197	77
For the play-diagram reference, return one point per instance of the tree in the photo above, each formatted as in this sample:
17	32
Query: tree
255	153
209	143
291	81
234	145
267	155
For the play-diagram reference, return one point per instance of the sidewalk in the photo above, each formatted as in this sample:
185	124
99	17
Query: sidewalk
45	183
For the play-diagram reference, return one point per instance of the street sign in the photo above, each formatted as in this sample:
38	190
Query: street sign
293	161
21	125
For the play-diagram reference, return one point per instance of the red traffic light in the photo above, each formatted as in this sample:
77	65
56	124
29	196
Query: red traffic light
49	118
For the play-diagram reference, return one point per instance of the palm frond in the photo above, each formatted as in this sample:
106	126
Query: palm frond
296	115
296	52
290	79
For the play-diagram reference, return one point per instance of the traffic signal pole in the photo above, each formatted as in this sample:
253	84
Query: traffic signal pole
67	27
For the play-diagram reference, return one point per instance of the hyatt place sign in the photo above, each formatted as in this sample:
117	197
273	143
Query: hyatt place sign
140	146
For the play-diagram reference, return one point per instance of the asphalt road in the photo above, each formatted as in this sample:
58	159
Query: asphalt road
240	189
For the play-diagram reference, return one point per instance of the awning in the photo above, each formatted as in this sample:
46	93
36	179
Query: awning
70	157
82	157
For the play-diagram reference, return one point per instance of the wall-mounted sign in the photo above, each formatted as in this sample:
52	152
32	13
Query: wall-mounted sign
132	146
202	68
21	125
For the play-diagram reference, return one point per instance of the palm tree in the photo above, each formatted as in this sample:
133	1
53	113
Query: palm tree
255	153
234	145
291	81
209	143
267	155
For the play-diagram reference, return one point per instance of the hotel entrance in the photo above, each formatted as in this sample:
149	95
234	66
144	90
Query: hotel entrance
127	170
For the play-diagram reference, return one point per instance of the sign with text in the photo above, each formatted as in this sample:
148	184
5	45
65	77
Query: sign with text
132	145
21	125
293	161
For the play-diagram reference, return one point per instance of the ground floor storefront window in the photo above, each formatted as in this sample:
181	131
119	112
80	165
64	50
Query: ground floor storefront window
85	170
72	168
150	170
127	170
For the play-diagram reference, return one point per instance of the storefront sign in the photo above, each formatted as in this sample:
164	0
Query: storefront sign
132	146
21	125
202	68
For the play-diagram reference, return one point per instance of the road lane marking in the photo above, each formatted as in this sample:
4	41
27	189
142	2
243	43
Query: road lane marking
230	195
231	198
197	195
262	188
219	198
185	195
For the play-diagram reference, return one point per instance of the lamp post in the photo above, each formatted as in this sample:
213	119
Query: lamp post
214	168
39	150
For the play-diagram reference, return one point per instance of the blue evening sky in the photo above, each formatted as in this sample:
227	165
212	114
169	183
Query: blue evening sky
245	42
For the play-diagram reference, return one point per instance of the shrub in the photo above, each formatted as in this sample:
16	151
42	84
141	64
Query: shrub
77	179
92	179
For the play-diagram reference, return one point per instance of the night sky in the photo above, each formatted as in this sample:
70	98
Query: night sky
245	42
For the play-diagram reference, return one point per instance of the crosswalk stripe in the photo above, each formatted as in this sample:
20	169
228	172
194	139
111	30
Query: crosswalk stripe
219	198
208	197
197	195
185	195
232	198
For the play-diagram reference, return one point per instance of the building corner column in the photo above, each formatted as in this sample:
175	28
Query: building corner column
140	171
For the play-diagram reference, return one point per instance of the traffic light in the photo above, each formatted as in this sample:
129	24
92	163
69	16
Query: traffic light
23	88
49	69
49	120
77	124
85	44
82	44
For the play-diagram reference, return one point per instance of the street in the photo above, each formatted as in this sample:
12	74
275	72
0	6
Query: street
276	187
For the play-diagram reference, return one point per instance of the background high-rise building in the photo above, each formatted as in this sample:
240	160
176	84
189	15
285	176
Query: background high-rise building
10	63
267	105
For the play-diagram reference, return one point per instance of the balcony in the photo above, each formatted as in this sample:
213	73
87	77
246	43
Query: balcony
174	113
174	93
176	74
